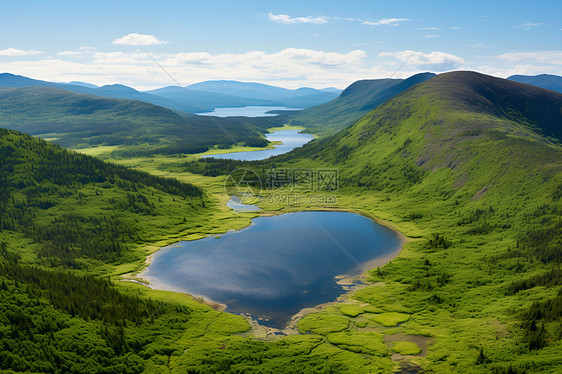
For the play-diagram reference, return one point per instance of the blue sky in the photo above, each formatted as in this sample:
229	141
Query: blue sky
286	43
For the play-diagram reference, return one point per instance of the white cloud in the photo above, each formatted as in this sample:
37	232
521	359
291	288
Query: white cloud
291	67
478	45
549	57
432	36
436	61
429	28
139	39
528	25
289	60
72	53
386	21
525	63
522	69
285	19
13	52
121	58
81	52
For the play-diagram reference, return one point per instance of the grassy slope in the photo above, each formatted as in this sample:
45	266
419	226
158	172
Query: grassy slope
354	102
79	120
463	156
441	158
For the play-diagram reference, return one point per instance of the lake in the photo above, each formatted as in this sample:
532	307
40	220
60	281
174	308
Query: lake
238	206
276	266
290	138
246	111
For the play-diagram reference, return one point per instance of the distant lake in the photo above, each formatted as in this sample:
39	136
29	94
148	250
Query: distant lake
276	266
246	111
291	139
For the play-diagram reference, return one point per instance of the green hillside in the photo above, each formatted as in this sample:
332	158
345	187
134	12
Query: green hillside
61	210
470	168
77	120
74	207
353	103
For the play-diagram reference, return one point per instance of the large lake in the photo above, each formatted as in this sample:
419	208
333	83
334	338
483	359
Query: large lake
276	266
246	111
290	138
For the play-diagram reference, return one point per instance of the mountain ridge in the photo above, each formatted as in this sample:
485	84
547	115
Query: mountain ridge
176	98
548	81
80	120
355	101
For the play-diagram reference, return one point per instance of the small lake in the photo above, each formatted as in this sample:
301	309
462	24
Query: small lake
291	139
246	111
276	266
239	206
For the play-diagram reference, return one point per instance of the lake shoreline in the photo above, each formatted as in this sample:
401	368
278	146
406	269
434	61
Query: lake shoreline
281	140
350	284
246	111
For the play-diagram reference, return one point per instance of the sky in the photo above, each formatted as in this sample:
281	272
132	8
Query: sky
147	44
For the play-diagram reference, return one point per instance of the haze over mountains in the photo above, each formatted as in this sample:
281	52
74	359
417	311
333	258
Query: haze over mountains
190	99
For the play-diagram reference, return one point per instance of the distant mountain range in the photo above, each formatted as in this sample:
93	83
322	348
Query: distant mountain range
300	98
77	120
354	102
548	81
192	99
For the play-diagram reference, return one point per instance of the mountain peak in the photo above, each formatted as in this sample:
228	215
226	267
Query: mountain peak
118	88
548	81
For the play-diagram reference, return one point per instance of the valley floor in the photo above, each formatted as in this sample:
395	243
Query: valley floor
440	305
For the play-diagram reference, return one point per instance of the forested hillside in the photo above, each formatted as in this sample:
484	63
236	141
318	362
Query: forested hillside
76	206
61	210
78	120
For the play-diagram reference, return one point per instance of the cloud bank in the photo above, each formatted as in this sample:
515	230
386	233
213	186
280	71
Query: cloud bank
289	67
285	19
13	52
386	21
138	40
435	61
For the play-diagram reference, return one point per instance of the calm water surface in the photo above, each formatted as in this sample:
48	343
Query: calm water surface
291	139
238	206
276	266
246	111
